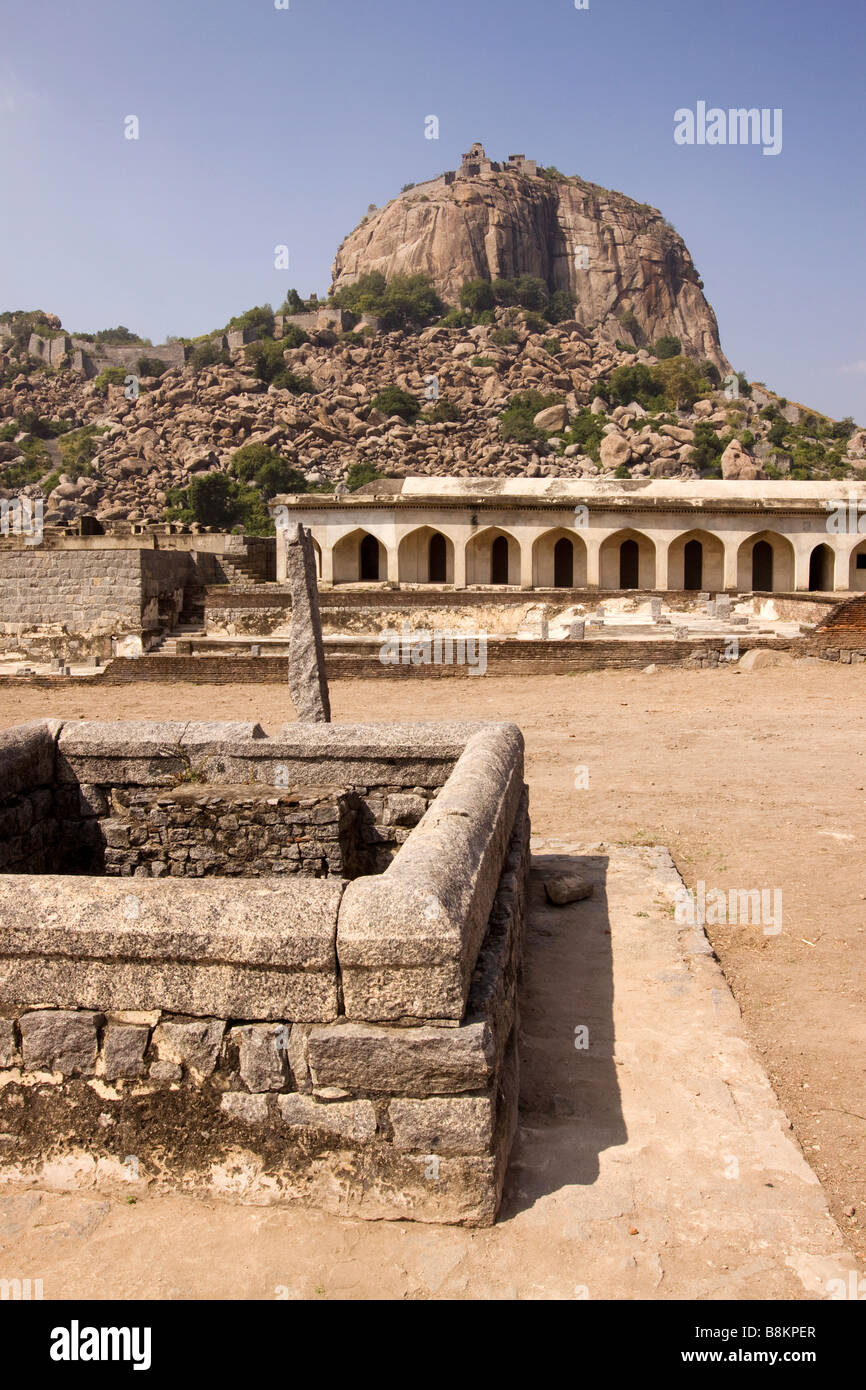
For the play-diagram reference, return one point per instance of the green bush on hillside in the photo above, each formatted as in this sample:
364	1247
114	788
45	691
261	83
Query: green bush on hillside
360	474
293	336
516	420
150	366
407	301
80	446
259	466
393	400
477	295
261	318
111	376
266	360
31	422
119	336
706	451
560	306
207	354
628	319
292	304
586	431
710	372
457	318
667	346
778	430
443	411
681	381
633	383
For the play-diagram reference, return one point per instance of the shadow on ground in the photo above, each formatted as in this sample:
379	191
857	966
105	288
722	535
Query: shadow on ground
570	1105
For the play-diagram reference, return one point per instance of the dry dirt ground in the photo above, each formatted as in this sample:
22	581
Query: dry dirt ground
752	780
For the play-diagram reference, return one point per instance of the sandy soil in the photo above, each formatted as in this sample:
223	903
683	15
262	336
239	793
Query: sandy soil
752	781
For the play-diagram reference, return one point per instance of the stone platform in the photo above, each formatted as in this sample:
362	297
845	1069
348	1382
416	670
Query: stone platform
653	1163
346	1040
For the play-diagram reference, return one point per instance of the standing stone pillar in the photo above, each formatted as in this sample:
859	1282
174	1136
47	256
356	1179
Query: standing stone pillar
308	684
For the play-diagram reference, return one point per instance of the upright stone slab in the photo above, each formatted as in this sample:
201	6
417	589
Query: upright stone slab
308	683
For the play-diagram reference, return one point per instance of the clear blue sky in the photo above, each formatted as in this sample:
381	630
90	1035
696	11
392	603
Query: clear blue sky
261	126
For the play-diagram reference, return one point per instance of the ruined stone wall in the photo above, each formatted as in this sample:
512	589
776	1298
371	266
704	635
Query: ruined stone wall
72	602
266	609
347	1044
250	831
378	1121
28	832
92	358
77	588
504	656
142	817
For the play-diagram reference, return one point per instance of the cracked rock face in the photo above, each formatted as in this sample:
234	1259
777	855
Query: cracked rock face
613	253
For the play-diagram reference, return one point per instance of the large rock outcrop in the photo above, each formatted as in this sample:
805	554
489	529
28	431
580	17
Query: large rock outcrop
487	220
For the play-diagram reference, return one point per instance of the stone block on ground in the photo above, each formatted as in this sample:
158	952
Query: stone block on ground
408	1061
567	888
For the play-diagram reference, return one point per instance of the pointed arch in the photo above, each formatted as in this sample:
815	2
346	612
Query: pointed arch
493	557
765	563
359	557
696	560
425	556
822	569
627	560
857	567
559	560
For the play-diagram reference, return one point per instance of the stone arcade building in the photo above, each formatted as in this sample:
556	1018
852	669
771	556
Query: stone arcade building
542	533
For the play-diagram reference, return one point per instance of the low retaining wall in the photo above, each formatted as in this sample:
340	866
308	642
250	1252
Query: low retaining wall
345	1041
504	656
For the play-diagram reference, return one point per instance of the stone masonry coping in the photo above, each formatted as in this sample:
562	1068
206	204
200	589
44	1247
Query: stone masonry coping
408	939
243	949
404	942
158	753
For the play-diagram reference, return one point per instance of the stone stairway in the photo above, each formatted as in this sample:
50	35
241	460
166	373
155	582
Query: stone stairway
240	571
167	645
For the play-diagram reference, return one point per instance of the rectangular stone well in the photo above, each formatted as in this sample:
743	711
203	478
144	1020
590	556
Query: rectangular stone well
274	969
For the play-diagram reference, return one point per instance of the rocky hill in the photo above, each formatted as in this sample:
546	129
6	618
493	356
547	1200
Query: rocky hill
545	403
586	348
622	262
